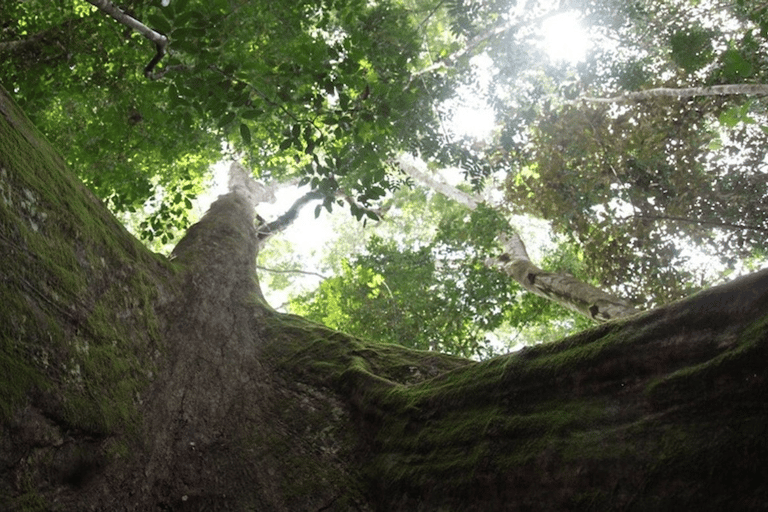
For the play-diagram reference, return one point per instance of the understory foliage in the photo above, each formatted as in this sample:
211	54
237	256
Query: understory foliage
436	292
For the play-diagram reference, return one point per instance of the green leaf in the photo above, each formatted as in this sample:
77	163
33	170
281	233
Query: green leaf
225	119
159	23
735	66
692	48
180	5
245	133
187	33
251	114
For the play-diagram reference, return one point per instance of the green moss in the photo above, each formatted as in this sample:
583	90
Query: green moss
743	359
77	299
17	377
546	411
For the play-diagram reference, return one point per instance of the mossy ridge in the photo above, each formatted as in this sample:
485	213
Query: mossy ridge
335	358
581	402
735	371
42	209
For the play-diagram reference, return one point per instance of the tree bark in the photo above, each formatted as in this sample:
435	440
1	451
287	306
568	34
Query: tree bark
161	42
564	289
131	382
685	92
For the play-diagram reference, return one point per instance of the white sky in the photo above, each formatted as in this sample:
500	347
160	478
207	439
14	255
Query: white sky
565	39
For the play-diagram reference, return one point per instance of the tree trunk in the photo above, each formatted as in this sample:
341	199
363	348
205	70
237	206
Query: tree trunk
131	382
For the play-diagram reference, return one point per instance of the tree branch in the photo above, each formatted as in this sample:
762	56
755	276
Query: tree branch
291	271
476	41
286	219
563	289
10	46
408	167
686	92
161	42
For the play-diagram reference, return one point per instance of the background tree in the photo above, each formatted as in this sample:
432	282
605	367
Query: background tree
641	187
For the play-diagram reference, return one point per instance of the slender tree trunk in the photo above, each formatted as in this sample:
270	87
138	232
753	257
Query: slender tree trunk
563	289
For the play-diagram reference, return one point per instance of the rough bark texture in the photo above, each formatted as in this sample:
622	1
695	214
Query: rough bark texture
130	382
564	289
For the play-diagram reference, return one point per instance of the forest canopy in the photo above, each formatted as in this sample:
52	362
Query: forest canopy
648	197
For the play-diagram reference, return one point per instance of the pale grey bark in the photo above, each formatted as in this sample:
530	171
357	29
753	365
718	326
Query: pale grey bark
161	42
563	289
409	167
685	92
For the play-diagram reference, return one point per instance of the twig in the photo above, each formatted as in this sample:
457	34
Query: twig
292	271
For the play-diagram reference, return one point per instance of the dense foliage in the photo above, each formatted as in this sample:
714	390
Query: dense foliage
430	288
328	92
664	195
314	89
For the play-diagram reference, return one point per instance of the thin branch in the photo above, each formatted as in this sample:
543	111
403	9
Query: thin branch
289	216
161	42
410	168
10	46
500	28
292	271
713	223
685	92
431	13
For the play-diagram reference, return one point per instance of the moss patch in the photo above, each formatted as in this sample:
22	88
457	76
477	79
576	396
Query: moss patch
77	326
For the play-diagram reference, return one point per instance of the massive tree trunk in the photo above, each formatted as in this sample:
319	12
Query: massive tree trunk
131	382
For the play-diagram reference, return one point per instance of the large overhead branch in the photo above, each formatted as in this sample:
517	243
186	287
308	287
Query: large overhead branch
161	42
561	288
